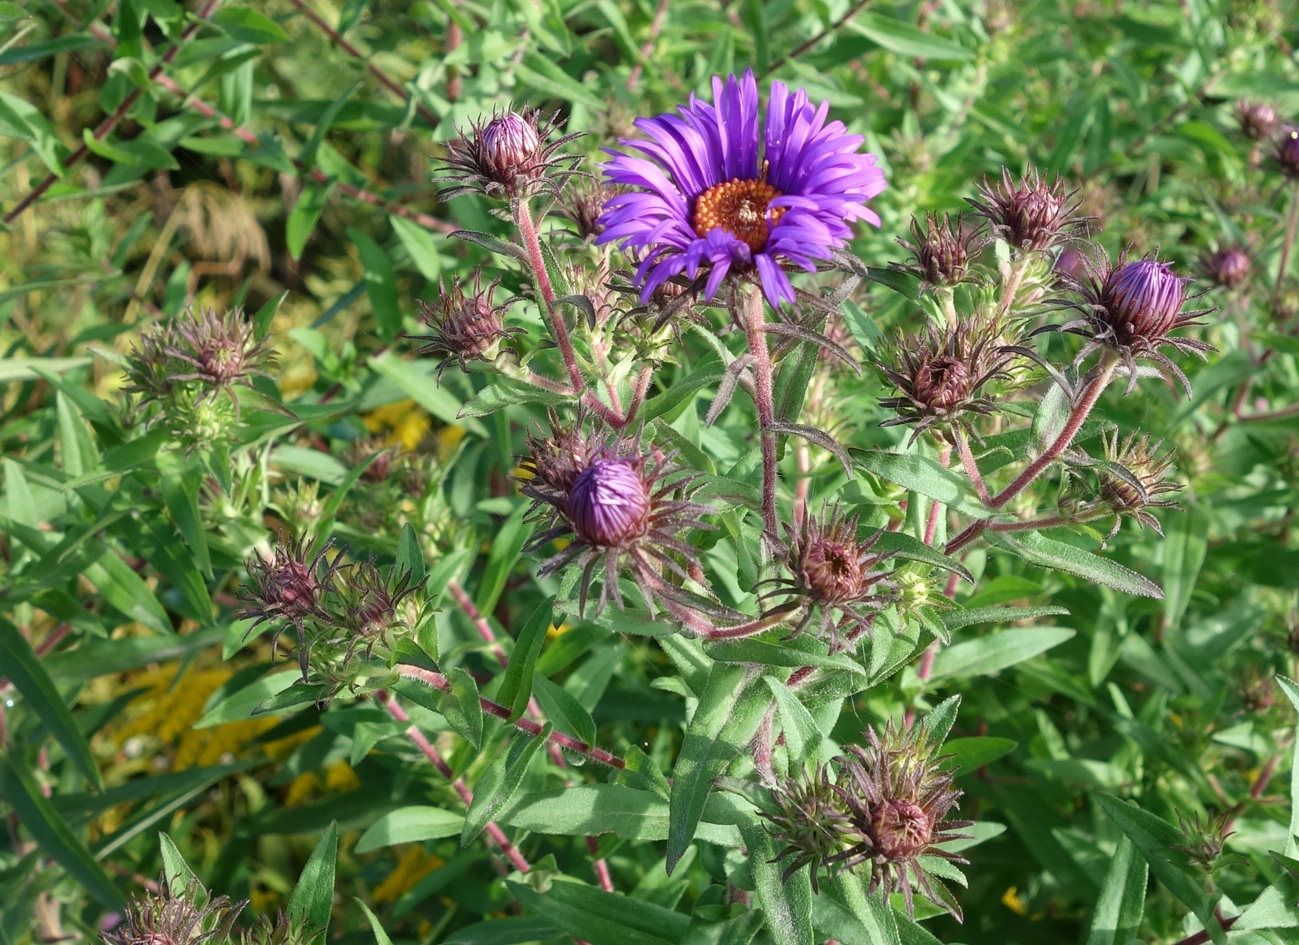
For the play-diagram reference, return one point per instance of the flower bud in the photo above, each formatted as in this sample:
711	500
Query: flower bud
941	251
1033	213
507	155
509	145
1228	266
902	829
1257	119
1287	151
465	327
608	504
1143	299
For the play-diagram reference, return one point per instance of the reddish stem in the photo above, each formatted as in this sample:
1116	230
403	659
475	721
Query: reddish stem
493	831
532	243
755	331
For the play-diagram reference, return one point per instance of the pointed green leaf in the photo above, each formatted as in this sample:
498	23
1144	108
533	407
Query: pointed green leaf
309	906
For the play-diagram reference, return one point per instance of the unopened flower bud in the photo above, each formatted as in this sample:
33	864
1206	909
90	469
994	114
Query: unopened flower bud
1257	119
509	144
1228	266
1143	299
1032	213
941	250
608	503
465	327
902	828
1287	151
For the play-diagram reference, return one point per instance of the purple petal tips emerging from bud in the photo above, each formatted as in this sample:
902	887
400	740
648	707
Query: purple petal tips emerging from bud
1144	297
608	503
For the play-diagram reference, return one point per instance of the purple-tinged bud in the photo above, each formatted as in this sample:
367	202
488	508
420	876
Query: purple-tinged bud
286	587
942	383
941	374
1070	262
833	570
509	145
1142	299
172	915
902	829
465	327
941	250
1032	213
608	504
1257	119
1228	267
1287	151
507	155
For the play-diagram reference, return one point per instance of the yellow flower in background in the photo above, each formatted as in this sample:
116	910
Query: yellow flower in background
340	778
413	866
555	631
301	788
405	421
449	438
1013	901
281	748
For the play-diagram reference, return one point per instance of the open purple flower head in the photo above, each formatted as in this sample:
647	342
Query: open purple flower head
715	191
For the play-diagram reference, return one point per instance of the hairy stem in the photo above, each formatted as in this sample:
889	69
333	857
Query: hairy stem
755	331
1077	416
1291	225
420	741
532	243
972	468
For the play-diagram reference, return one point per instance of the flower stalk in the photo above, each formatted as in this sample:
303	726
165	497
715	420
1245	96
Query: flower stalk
755	332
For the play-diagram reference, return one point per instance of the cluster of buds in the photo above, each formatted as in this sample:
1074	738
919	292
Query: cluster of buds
184	366
1261	124
176	914
509	155
881	809
335	608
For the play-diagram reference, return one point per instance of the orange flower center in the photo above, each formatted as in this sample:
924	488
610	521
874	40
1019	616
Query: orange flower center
741	208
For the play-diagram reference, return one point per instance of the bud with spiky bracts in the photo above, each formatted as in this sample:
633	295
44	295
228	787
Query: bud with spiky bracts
1130	479
810	817
1132	308
898	797
941	251
942	374
282	931
370	606
176	915
287	587
185	364
507	155
1287	151
836	573
1133	479
583	203
1257	119
1206	837
1228	266
465	327
1032	213
623	507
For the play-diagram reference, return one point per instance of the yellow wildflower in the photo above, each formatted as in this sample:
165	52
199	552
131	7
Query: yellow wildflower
340	778
555	631
413	866
300	788
1013	901
406	422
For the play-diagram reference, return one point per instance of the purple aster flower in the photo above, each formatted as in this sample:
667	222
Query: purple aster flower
716	192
